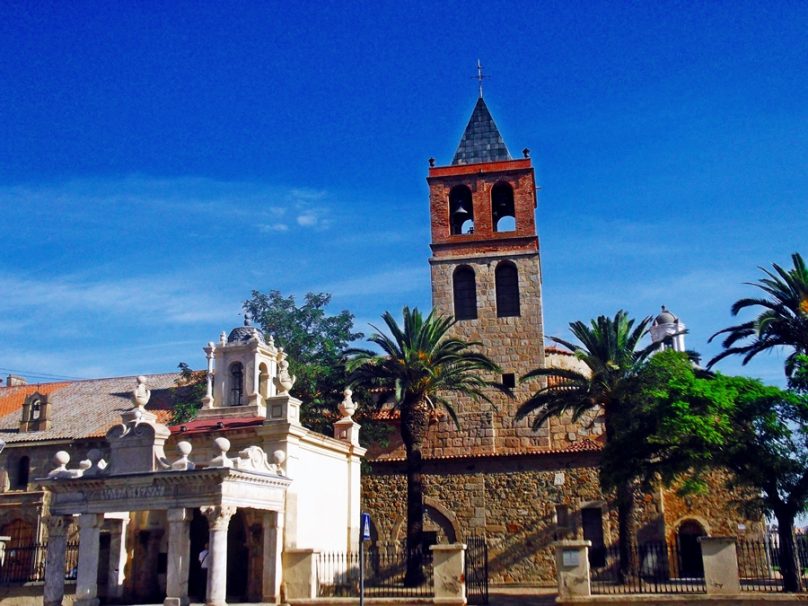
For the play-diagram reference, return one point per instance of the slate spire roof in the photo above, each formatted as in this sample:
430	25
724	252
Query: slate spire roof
481	141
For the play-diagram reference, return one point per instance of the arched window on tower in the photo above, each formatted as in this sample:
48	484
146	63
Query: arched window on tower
503	214
507	280
36	410
23	473
461	211
236	383
465	293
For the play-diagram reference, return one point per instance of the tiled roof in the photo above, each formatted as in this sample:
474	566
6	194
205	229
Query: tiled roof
12	398
82	409
585	445
481	141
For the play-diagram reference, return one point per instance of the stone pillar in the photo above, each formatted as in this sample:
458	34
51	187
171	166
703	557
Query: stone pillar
449	570
179	552
218	521
87	579
272	554
572	566
720	564
54	590
3	541
117	554
300	574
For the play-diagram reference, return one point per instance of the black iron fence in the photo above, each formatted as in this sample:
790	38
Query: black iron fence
476	570
759	563
27	564
661	568
385	567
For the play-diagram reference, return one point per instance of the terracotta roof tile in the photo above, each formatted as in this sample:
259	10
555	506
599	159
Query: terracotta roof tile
12	398
85	409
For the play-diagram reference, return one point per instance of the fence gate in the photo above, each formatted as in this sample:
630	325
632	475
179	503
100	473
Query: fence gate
476	570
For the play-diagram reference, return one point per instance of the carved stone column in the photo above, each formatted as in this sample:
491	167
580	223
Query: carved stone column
87	579
117	555
54	590
179	552
273	551
218	521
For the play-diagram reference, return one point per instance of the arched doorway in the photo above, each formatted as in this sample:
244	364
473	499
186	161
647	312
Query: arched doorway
238	557
19	562
199	540
687	539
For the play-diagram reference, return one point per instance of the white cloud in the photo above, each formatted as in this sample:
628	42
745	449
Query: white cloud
307	219
265	228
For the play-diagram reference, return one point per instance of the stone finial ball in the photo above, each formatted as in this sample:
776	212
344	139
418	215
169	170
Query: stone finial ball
279	457
141	379
94	455
61	458
184	447
222	444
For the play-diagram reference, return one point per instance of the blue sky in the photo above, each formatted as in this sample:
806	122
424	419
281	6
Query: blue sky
160	160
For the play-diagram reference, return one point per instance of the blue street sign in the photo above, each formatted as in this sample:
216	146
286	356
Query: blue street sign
366	527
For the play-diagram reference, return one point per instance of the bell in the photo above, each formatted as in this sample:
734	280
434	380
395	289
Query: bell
460	211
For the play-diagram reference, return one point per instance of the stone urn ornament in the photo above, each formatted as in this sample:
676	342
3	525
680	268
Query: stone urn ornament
284	381
141	394
347	407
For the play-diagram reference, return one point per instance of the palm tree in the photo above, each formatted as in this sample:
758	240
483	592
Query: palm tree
783	321
610	348
421	364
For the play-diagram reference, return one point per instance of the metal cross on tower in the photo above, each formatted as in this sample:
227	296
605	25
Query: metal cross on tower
480	77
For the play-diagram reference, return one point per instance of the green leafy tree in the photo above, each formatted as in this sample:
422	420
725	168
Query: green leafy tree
314	341
610	348
422	365
675	417
186	397
782	321
684	421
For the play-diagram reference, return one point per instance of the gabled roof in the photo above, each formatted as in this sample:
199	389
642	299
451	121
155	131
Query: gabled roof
81	409
481	141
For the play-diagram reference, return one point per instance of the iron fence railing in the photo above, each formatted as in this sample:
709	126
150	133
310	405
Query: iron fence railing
27	564
476	572
338	574
662	568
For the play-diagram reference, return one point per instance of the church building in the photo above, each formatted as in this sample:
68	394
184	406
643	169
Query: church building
518	488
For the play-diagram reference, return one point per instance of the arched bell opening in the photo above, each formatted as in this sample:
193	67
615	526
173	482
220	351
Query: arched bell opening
461	210
236	384
503	212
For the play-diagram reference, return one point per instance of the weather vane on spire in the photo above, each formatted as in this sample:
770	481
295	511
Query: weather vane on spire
480	77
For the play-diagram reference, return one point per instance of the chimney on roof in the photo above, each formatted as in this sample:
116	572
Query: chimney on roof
14	381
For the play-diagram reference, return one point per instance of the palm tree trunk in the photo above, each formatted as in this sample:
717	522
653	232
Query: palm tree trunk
414	426
415	518
789	562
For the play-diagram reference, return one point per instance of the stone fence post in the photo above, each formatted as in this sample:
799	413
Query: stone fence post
720	564
449	573
572	566
300	573
3	541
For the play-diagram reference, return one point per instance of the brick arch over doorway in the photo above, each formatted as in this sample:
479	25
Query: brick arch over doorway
438	518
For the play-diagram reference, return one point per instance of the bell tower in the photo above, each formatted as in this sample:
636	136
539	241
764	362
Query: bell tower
486	272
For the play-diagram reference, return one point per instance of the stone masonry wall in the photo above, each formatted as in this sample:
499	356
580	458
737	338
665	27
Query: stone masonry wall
514	502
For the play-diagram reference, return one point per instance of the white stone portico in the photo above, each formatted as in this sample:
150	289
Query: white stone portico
148	506
140	478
